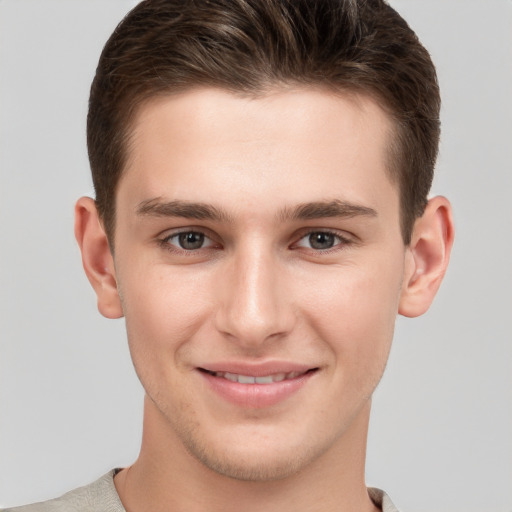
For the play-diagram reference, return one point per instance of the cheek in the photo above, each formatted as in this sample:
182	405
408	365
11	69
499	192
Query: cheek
354	310
163	310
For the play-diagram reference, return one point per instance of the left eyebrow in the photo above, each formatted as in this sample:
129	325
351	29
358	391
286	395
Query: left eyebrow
325	209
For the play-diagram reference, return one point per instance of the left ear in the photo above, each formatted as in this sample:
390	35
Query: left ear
427	257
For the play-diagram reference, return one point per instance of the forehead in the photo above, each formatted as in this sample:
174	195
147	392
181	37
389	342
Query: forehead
286	146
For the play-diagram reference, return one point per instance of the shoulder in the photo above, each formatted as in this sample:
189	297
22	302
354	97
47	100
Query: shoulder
382	500
100	496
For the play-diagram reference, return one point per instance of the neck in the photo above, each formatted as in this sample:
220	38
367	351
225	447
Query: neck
167	477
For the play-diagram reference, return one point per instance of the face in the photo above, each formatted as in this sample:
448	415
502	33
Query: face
259	261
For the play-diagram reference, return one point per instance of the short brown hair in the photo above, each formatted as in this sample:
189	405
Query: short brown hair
246	46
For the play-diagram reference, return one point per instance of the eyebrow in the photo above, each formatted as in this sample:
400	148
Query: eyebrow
189	210
156	207
325	209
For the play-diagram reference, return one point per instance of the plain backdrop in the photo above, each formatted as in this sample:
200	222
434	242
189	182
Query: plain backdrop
70	403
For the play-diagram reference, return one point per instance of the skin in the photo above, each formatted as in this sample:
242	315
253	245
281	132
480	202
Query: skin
263	180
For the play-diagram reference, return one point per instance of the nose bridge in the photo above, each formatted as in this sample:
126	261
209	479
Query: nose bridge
255	306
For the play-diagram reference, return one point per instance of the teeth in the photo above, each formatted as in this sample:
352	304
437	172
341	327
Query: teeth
248	379
264	380
245	379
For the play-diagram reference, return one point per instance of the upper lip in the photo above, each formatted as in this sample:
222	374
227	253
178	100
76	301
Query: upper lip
257	369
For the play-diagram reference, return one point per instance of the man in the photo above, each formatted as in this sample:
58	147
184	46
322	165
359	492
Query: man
261	171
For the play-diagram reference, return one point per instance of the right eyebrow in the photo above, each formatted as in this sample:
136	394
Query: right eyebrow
156	207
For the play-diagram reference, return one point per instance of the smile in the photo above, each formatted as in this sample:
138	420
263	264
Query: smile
256	391
249	379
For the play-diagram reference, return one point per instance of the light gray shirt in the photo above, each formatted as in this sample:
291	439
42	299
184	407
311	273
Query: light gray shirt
101	496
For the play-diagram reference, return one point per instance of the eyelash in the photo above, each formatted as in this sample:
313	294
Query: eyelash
340	242
166	244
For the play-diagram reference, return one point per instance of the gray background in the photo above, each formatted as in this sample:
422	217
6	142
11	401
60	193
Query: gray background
70	404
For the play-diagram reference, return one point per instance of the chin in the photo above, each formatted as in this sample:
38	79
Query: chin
245	468
251	460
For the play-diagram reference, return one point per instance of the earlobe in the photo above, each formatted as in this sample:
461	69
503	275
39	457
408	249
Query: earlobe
97	257
427	257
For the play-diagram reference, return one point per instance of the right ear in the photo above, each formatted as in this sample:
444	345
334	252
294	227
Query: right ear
97	258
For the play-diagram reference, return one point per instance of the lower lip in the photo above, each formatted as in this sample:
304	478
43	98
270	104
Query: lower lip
256	395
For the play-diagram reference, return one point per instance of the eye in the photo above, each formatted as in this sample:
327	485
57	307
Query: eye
189	240
321	240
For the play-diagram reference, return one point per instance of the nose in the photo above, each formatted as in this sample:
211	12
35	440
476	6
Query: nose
254	305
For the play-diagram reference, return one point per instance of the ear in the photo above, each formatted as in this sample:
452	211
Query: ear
97	258
427	257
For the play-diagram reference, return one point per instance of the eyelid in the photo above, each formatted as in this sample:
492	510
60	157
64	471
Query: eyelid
343	239
208	242
170	232
164	239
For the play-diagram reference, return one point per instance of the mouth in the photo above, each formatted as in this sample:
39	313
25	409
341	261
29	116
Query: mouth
263	379
264	388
